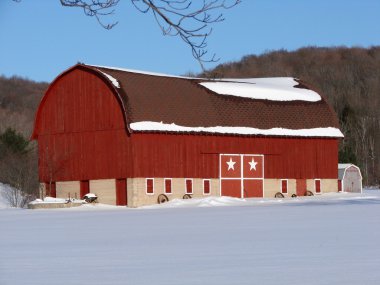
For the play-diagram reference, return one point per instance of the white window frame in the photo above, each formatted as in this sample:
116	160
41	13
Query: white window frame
203	186
146	186
287	186
171	186
192	185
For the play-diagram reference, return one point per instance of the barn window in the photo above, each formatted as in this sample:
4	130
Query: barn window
284	186
317	186
150	186
168	186
189	186
206	187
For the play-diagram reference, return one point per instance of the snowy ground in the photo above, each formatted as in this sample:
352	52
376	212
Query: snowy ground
330	239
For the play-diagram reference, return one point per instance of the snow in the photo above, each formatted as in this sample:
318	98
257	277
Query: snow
160	126
274	89
90	195
140	71
112	79
51	200
344	165
327	239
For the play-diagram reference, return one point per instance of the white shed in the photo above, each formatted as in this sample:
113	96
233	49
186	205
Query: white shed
349	178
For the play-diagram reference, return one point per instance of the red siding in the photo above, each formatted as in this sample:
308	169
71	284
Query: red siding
110	154
82	135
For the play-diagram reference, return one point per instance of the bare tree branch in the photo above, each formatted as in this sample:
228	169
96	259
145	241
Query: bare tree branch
191	21
94	8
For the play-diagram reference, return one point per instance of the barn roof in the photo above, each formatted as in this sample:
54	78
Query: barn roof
269	106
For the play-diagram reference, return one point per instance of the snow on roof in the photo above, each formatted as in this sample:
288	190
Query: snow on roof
140	71
160	126
274	89
112	79
344	165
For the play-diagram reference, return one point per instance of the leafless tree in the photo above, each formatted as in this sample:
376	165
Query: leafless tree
19	171
53	163
187	19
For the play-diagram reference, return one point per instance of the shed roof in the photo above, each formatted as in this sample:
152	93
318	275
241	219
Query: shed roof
273	106
342	169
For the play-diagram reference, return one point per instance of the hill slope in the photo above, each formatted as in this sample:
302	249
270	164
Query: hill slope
19	99
348	77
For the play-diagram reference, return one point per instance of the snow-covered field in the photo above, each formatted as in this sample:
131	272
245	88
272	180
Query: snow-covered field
330	239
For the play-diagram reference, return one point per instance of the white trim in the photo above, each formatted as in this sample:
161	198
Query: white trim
192	185
209	186
287	186
171	186
146	186
320	186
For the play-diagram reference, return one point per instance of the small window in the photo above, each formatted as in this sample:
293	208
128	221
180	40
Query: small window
149	186
284	186
206	187
168	186
189	186
317	186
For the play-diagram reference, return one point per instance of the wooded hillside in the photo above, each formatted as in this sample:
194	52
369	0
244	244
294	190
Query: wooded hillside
19	99
348	77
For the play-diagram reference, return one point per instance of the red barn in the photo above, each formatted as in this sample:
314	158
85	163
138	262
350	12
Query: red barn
130	136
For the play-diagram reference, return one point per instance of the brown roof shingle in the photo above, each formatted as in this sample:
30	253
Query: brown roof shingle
186	103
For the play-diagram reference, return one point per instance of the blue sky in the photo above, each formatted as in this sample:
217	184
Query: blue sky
40	38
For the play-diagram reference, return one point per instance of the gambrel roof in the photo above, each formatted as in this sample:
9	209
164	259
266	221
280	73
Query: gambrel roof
253	106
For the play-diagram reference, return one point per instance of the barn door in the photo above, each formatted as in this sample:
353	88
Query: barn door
301	187
242	176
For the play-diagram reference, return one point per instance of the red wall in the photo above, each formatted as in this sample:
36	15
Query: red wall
81	135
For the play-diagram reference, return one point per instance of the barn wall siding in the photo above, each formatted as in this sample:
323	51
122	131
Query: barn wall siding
68	189
105	189
114	154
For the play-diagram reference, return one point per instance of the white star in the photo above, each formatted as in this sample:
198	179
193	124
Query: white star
231	164
253	164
